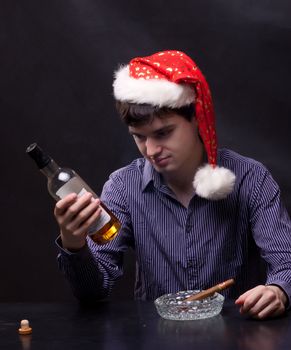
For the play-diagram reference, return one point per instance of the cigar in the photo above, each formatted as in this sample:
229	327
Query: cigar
209	292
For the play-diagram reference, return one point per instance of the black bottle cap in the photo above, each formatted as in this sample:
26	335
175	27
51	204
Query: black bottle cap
36	153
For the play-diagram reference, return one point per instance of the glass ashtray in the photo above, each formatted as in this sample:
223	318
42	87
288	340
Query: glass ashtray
174	306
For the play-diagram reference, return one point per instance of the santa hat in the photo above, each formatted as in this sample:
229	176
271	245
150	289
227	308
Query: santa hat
172	79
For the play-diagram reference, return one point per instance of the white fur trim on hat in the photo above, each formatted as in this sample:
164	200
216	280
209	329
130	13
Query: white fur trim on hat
157	92
213	183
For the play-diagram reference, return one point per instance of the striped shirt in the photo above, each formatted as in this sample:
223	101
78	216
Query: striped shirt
179	248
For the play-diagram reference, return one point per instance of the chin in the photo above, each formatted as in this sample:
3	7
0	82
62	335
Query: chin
164	170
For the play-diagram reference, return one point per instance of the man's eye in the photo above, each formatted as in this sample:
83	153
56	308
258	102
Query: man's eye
164	133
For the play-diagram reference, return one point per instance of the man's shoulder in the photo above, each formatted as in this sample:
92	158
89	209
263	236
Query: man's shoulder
135	167
235	161
127	178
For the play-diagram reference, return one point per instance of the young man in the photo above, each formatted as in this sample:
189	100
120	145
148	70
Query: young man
195	215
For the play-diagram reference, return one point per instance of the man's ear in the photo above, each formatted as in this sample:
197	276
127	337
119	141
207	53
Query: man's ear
195	123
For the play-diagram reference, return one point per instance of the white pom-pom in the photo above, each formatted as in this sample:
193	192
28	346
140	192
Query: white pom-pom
213	183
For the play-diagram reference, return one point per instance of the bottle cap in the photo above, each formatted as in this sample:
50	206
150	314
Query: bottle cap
36	153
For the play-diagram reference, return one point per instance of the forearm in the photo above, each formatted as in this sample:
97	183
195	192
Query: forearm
90	280
272	232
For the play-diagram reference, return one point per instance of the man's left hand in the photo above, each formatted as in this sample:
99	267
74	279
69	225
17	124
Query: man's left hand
262	302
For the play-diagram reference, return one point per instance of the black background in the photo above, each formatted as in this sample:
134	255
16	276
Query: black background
57	60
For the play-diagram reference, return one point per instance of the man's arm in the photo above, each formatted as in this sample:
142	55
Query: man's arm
90	268
271	229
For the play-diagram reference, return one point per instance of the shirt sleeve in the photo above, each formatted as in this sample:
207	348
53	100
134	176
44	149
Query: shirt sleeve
93	270
271	227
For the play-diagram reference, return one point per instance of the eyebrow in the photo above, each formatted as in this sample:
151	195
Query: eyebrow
163	128
133	133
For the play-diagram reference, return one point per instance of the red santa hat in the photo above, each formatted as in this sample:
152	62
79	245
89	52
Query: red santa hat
172	79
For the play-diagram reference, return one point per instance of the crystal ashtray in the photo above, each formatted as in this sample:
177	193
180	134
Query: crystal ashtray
175	306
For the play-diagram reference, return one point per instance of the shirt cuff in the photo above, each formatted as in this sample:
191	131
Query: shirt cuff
79	254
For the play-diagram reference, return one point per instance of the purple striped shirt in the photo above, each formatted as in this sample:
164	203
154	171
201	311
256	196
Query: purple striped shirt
180	248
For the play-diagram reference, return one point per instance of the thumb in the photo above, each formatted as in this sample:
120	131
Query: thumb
241	299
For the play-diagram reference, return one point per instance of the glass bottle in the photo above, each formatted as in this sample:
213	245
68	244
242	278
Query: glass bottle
63	181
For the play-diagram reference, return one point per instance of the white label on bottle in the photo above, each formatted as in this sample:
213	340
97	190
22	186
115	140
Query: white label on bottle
74	186
83	191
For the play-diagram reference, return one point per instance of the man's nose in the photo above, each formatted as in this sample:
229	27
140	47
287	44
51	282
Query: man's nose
153	148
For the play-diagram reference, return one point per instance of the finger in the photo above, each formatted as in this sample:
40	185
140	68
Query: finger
250	302
270	310
84	227
63	204
77	206
240	300
263	303
84	215
75	238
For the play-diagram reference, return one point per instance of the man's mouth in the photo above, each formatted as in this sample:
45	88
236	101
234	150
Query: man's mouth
160	161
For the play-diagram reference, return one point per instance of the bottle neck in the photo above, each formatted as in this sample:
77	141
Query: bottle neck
50	169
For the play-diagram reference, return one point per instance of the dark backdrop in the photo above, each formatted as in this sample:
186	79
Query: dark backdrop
56	65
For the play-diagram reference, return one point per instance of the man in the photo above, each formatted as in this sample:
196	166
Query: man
192	224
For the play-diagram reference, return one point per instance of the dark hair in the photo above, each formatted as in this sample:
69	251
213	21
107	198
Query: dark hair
134	114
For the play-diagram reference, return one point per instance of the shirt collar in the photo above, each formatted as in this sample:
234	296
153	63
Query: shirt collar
150	175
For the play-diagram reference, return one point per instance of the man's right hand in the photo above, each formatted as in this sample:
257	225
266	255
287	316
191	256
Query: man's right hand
74	216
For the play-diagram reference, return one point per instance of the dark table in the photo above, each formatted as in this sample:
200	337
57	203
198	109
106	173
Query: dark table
135	325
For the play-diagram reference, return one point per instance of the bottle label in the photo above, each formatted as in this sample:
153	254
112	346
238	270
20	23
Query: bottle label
104	218
73	186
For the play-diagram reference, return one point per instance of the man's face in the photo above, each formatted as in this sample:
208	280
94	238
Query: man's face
168	142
